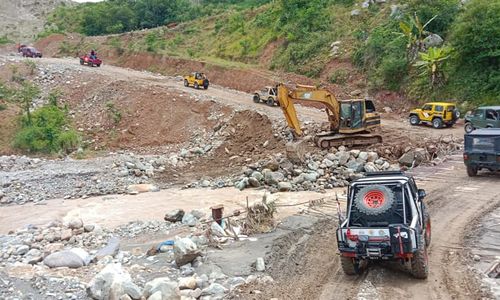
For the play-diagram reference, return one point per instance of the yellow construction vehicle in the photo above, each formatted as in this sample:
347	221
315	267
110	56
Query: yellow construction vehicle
350	120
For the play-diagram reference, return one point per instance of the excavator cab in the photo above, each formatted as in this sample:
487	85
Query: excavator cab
357	114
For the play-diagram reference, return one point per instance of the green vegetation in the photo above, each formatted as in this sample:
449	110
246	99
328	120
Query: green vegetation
4	40
114	112
389	46
45	130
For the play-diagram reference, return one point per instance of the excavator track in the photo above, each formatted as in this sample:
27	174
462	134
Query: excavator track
329	141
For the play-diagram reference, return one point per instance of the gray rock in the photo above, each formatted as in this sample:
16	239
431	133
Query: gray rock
355	153
284	186
413	158
370	167
328	163
433	40
242	184
65	258
185	251
33	256
89	228
343	157
22	249
215	289
253	182
112	283
198	214
363	156
372	156
156	296
111	249
257	175
189	219
355	12
260	266
217	229
311	177
313	166
355	166
75	223
163	285
272	178
187	283
236	281
272	165
379	162
174	215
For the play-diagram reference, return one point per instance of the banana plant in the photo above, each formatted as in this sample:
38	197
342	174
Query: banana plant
415	32
430	64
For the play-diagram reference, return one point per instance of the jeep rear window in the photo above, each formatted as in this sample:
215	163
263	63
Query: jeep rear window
484	143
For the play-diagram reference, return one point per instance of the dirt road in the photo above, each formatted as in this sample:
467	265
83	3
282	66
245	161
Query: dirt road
391	124
455	202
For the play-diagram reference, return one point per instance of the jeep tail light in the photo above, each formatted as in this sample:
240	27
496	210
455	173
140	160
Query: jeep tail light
352	237
466	156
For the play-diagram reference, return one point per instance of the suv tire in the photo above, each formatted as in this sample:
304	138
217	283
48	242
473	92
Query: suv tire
471	171
420	260
270	101
361	204
414	120
349	266
186	83
468	127
256	98
437	123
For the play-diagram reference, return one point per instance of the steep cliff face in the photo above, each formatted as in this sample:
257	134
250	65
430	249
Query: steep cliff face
22	20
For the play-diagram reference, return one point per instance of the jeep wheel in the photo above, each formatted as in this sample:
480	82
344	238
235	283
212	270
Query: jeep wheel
437	123
270	101
196	86
420	260
414	120
350	266
471	171
374	200
82	62
186	83
468	127
256	98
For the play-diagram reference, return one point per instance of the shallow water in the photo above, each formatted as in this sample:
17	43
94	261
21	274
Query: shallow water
487	246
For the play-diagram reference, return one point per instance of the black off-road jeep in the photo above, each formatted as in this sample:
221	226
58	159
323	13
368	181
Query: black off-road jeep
386	220
482	150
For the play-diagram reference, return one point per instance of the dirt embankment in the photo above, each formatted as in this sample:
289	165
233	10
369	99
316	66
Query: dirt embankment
245	78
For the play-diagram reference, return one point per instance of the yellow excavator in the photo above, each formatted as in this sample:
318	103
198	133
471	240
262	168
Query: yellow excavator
350	120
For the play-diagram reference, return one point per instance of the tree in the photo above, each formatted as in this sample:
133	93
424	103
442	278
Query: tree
415	32
431	64
26	95
476	40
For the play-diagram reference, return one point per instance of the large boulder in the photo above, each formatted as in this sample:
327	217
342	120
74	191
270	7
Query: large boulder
112	283
343	157
272	178
413	158
215	290
185	251
189	220
74	258
162	286
272	165
433	40
355	165
174	215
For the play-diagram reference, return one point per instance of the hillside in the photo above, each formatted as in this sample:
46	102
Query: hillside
23	20
412	49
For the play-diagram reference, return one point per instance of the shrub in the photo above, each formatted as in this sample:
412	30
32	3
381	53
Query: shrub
339	76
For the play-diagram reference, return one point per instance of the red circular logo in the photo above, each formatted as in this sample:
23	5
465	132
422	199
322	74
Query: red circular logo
374	199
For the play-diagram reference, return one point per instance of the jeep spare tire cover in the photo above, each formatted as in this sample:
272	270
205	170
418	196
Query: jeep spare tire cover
374	200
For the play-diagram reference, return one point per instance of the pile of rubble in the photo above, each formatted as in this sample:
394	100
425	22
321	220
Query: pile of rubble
319	171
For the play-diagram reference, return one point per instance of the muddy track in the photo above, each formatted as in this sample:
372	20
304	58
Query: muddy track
309	268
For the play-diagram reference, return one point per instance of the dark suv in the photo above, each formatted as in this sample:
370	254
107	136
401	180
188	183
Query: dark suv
31	52
386	220
482	150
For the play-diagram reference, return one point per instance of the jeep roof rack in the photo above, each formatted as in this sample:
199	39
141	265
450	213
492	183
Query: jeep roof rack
384	173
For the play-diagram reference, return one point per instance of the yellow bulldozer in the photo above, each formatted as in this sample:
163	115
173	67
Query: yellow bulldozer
350	120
